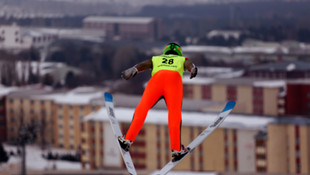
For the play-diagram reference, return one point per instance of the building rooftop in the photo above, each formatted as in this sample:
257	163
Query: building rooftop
6	90
268	50
235	81
201	119
101	19
94	96
131	101
29	91
78	96
286	66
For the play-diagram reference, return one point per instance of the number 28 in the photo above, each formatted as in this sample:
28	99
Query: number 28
167	61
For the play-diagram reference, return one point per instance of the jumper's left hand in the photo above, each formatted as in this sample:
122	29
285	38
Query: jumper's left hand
194	71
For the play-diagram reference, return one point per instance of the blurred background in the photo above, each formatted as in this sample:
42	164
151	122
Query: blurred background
58	57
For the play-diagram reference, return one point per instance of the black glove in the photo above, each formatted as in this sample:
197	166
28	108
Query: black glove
129	73
194	71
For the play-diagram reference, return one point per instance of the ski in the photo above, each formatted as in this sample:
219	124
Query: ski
200	138
118	133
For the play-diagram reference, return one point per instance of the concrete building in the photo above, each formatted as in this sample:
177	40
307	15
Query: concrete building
14	37
22	109
57	114
287	147
246	54
125	28
264	97
4	91
230	148
243	143
280	70
254	96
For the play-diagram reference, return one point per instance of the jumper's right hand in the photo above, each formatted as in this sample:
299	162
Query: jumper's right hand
193	73
129	73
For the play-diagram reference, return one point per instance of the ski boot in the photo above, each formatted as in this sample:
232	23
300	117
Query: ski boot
125	144
177	155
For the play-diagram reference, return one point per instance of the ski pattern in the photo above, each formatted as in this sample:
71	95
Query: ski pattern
200	138
118	133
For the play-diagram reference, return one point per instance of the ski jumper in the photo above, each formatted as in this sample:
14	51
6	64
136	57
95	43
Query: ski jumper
166	82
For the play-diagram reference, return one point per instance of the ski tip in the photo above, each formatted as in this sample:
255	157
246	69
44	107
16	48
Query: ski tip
108	97
230	105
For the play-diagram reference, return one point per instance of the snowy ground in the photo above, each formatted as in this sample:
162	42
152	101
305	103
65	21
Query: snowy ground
187	173
35	161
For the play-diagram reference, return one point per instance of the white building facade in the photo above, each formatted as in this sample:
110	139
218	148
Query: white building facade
17	37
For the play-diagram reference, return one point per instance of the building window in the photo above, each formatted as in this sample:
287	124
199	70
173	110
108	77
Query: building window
232	93
258	100
206	92
60	126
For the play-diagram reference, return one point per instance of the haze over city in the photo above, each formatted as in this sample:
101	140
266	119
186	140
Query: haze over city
58	58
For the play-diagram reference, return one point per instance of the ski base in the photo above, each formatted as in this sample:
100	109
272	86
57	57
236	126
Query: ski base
118	133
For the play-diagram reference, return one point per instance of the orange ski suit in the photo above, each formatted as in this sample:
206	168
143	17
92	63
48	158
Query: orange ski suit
166	82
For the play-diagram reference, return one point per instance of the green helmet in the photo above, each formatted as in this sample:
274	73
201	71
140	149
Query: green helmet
173	48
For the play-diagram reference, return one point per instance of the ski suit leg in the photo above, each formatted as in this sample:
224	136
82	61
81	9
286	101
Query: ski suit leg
151	95
173	94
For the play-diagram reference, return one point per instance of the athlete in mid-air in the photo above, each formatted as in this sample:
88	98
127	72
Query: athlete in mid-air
166	82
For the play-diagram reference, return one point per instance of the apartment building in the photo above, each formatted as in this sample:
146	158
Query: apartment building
4	91
263	97
280	70
17	37
125	28
56	115
285	148
230	148
243	144
24	110
69	108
